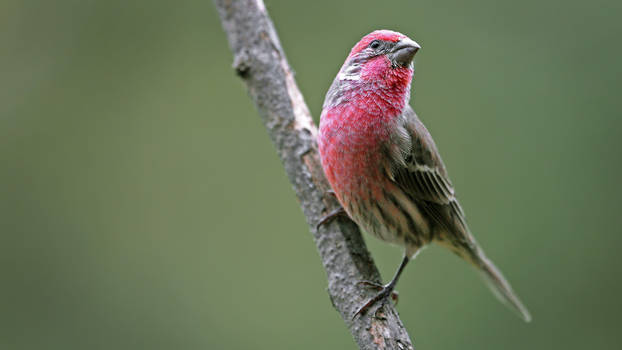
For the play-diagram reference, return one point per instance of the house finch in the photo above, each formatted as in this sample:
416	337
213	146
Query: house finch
384	167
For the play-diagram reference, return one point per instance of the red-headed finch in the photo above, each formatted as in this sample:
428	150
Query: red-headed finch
384	167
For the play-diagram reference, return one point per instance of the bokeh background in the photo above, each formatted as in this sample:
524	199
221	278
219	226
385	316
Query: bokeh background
143	206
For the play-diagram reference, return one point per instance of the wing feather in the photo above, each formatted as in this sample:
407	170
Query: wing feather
422	175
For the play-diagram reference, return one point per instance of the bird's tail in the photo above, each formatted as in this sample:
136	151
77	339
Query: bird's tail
500	287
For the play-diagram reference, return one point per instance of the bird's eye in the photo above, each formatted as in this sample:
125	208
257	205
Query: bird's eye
374	44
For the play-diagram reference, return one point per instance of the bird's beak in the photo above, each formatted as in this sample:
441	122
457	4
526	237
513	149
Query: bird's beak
403	52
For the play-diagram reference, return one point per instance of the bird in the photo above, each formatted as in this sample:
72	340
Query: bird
384	167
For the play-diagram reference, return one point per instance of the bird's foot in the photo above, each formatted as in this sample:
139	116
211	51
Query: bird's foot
395	295
330	216
385	291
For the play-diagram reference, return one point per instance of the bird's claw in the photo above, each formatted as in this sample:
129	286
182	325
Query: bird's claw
395	295
330	216
385	291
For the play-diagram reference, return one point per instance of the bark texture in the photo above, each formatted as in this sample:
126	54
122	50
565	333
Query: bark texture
260	62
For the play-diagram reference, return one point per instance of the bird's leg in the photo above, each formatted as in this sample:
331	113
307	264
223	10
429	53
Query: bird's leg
330	216
385	290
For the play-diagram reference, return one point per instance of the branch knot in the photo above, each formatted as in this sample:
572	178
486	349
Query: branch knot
241	63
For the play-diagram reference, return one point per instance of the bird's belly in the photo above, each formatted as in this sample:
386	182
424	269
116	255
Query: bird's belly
372	200
390	215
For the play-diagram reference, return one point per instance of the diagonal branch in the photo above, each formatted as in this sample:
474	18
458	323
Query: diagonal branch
260	61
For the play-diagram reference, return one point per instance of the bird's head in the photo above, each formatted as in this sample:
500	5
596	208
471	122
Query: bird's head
380	67
381	54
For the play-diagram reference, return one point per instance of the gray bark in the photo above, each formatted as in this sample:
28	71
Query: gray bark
260	62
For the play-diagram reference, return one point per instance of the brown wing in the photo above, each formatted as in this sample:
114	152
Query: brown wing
422	175
416	167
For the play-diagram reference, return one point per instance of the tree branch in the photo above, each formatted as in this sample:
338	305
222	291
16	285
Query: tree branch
260	61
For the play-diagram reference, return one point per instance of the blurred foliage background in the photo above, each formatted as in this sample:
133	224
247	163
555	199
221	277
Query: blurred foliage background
143	206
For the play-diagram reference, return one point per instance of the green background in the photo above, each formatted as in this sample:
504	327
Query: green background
142	205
